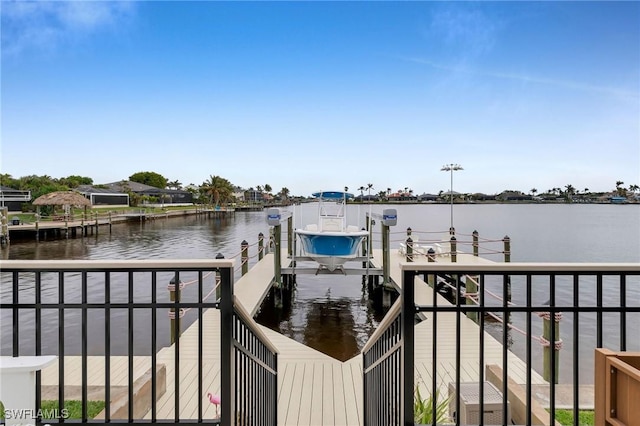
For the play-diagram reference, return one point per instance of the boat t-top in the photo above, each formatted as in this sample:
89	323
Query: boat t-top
331	241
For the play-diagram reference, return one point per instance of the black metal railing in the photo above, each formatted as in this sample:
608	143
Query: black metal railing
601	308
381	372
94	314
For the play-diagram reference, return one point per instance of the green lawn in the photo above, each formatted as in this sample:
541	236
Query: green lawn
73	407
565	417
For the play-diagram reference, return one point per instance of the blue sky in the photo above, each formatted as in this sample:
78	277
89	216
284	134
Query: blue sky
322	95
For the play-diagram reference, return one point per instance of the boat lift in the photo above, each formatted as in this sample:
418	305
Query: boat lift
388	218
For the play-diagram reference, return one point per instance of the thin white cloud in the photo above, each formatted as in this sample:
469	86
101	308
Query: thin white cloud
610	91
45	25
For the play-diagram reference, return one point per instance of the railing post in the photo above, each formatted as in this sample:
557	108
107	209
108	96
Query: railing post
409	250
174	314
454	249
551	349
475	243
277	256
227	358
260	246
244	256
407	323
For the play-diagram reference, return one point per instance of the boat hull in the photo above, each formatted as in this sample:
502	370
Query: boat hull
331	249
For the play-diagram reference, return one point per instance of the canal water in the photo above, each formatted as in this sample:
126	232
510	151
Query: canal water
334	314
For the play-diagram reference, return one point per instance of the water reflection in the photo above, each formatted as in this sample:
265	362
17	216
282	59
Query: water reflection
332	314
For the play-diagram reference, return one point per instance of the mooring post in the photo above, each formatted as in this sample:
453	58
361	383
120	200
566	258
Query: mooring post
471	295
175	314
260	246
431	257
551	345
386	256
454	249
475	243
290	235
409	250
5	225
217	282
364	249
277	256
244	256
109	221
507	258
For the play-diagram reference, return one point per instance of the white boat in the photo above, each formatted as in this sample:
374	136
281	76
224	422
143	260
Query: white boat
331	241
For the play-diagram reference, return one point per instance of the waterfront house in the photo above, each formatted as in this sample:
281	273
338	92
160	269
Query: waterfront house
13	198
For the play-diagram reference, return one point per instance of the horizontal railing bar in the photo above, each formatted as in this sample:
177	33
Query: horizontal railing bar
111	305
388	319
524	267
253	358
525	309
251	324
384	356
115	265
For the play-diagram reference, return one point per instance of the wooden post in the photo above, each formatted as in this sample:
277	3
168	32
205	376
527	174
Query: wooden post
5	225
244	256
386	256
260	246
507	248
507	258
431	257
551	351
217	282
109	221
277	256
475	243
454	249
471	291
290	235
409	250
174	296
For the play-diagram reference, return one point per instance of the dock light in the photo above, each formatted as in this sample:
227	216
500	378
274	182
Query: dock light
451	168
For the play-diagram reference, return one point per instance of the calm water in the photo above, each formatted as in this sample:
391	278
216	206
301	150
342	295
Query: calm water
333	313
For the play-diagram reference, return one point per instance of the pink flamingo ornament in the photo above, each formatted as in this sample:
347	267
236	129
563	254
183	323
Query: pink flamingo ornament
215	400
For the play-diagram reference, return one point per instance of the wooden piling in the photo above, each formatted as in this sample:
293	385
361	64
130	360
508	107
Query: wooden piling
277	235
507	258
244	256
454	249
551	350
471	292
217	282
409	250
260	246
386	256
174	296
290	235
476	245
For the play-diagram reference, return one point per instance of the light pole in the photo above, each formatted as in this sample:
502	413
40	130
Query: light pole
451	168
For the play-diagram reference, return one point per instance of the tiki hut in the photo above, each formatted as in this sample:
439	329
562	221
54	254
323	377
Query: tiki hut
67	199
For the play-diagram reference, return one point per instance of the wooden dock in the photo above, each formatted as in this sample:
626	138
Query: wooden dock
313	388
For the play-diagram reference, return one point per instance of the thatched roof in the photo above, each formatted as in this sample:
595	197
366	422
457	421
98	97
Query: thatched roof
62	198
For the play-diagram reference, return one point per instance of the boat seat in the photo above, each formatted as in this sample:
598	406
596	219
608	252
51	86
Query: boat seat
330	224
311	227
352	228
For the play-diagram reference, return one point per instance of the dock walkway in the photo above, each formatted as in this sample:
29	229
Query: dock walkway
313	388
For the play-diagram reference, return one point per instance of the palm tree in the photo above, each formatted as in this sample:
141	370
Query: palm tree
361	189
267	188
175	184
218	189
533	191
369	188
284	193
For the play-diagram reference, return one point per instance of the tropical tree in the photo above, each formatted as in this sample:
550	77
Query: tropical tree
267	188
149	178
361	189
218	189
175	184
284	193
75	181
619	189
533	191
